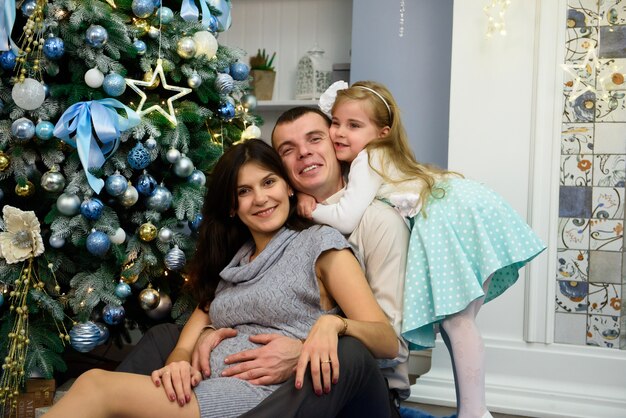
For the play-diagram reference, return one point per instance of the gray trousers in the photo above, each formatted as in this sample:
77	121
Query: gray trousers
361	391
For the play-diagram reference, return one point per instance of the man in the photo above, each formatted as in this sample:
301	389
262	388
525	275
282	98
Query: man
301	138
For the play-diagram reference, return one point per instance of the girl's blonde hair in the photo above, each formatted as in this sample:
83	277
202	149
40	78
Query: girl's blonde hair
395	144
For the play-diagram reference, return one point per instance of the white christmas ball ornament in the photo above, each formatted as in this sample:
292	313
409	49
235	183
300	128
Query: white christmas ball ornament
29	94
94	78
118	237
206	44
250	132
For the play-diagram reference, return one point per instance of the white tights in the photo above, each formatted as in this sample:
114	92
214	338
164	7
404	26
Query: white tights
467	351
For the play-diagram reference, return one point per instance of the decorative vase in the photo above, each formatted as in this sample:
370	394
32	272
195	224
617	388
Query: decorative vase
263	83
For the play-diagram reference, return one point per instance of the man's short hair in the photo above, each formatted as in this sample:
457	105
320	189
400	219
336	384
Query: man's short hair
296	113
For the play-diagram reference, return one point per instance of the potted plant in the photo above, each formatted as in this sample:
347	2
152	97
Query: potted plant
263	74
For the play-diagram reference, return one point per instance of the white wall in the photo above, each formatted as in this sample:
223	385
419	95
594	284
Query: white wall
505	112
415	67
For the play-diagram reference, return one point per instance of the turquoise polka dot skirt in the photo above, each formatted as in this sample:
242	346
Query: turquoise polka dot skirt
468	235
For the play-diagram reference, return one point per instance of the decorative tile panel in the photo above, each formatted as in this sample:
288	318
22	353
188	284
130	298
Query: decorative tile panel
605	267
603	331
591	261
606	234
605	299
608	202
577	138
573	265
582	13
573	233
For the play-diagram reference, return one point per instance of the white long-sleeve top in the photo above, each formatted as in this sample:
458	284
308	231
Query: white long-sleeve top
364	185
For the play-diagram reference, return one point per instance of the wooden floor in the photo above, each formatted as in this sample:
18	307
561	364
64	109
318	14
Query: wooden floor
444	411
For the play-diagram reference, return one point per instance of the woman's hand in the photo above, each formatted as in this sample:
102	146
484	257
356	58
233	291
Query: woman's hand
320	349
207	341
306	205
178	378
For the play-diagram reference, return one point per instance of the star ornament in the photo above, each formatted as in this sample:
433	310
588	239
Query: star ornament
158	72
588	65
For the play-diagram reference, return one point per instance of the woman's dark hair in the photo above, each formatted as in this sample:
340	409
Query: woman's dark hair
221	235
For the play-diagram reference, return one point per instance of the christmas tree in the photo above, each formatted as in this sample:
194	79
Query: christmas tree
112	113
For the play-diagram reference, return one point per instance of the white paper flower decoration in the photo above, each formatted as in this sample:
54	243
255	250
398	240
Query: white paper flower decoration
327	99
22	237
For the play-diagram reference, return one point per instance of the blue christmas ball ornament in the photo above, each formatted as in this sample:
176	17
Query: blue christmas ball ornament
98	243
84	337
44	130
213	24
197	177
122	290
165	15
116	184
226	111
23	129
104	333
142	8
8	60
140	47
92	208
1	299
160	200
224	83
139	157
28	7
195	224
96	36
53	48
239	71
114	85
112	314
146	184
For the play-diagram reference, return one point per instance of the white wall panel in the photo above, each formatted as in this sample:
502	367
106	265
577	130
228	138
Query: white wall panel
291	28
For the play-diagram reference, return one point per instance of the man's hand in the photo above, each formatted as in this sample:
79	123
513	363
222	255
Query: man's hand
306	205
207	341
272	363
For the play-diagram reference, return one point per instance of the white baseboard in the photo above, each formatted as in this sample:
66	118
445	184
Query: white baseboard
537	380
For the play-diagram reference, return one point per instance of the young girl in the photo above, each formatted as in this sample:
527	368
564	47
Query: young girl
467	244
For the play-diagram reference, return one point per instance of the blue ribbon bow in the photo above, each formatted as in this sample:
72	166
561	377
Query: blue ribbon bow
92	122
189	11
7	19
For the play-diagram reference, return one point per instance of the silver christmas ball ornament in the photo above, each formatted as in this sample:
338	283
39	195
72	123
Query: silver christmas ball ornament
224	83
154	32
248	101
129	197
197	177
84	336
184	167
163	309
68	204
165	235
186	47
56	241
96	36
118	237
52	181
172	155
94	78
194	81
28	94
175	259
151	143
149	299
160	200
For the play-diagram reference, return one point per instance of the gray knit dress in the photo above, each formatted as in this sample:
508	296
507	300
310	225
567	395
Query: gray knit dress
277	293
